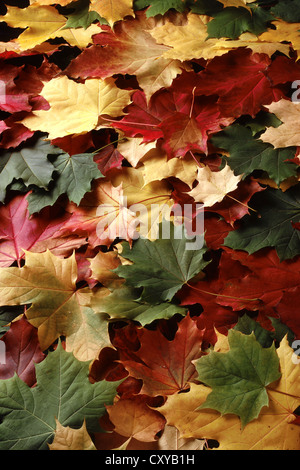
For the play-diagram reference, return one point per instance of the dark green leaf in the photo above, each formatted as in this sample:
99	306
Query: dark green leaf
161	266
272	225
63	392
248	154
239	377
74	175
123	304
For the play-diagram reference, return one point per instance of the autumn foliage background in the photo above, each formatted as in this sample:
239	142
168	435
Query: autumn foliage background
122	343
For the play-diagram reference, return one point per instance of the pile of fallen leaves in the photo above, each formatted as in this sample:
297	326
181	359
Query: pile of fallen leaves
118	341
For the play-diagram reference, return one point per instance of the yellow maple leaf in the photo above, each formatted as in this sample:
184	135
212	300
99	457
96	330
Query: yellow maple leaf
254	43
67	438
286	134
112	10
237	3
43	23
214	185
91	334
155	198
49	284
75	107
187	41
134	149
264	433
121	207
58	307
156	167
284	31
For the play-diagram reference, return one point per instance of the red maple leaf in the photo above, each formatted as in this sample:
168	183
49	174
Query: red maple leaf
22	351
19	231
166	366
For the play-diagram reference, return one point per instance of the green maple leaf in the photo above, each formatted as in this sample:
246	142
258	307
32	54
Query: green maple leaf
287	10
73	177
248	154
63	392
29	164
79	16
161	266
122	303
232	22
159	7
273	226
239	377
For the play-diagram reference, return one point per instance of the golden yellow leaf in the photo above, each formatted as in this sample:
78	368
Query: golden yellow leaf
75	107
49	284
91	334
287	134
274	429
155	198
67	438
43	23
133	149
214	185
252	42
284	32
112	10
188	41
157	167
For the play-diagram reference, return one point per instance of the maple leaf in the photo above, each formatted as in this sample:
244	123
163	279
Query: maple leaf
171	440
213	186
239	78
105	215
75	107
189	131
123	303
102	266
274	227
239	384
73	176
161	280
20	233
283	31
22	351
182	411
128	49
112	10
160	7
53	294
156	166
80	16
55	378
247	154
284	135
43	23
67	438
268	280
231	22
29	163
134	419
169	367
188	41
